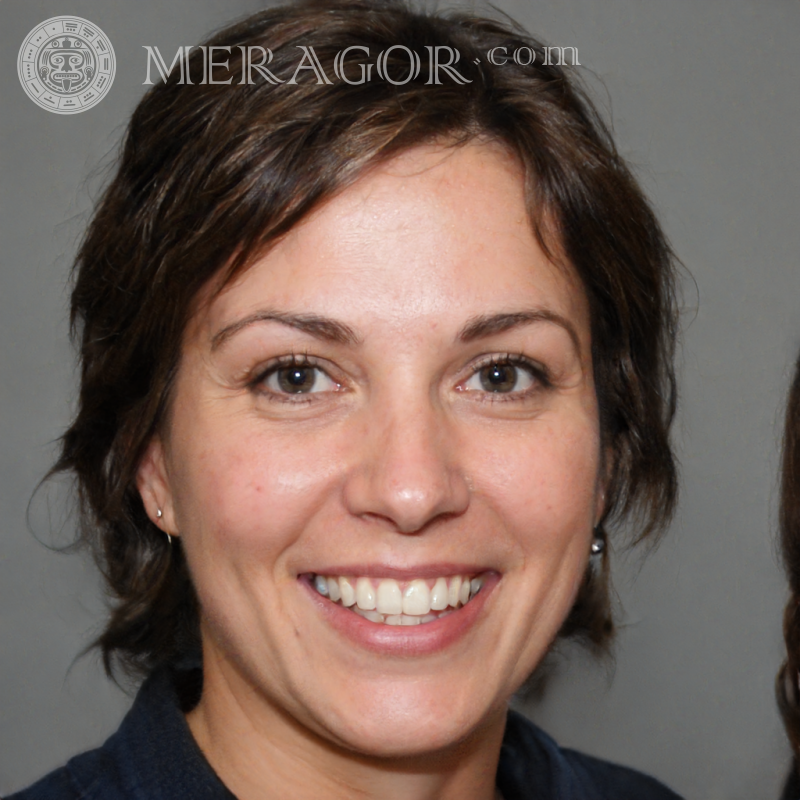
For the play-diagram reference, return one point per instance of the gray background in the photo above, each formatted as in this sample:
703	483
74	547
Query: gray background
705	103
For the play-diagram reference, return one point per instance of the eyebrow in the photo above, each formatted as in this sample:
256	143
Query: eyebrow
491	324
332	331
320	327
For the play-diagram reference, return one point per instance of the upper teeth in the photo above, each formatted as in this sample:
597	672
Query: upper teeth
386	596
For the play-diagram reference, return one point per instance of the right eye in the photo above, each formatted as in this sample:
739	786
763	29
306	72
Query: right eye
297	378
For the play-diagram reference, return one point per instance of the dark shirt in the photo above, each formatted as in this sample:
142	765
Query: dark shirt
153	756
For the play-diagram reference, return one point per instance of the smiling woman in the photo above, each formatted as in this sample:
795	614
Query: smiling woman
366	372
337	489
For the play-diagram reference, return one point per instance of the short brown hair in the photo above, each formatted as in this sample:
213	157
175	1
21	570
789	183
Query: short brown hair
210	175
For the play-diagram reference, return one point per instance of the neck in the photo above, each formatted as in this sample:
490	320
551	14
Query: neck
260	752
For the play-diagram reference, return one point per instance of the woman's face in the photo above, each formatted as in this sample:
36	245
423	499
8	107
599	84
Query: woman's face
395	400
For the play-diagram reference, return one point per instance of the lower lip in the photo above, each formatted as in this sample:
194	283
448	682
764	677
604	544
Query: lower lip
401	640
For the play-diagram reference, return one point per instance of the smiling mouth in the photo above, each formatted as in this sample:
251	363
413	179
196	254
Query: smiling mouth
386	601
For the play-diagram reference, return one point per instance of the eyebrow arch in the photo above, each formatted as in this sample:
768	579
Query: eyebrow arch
491	324
320	327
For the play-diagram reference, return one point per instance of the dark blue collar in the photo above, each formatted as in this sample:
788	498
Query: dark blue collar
152	756
155	749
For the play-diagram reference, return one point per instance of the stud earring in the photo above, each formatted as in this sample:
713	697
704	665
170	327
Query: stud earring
599	541
158	516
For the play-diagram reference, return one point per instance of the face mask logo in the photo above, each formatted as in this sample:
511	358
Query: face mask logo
66	65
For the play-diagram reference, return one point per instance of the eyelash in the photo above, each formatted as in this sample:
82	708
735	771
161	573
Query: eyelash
537	372
257	384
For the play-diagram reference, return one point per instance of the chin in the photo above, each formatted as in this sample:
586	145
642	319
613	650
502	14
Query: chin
402	722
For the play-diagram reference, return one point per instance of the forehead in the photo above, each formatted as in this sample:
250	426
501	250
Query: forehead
437	233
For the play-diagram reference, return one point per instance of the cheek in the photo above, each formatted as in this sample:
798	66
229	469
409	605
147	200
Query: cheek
252	492
543	482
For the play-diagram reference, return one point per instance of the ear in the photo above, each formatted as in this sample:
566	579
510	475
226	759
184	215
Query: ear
152	481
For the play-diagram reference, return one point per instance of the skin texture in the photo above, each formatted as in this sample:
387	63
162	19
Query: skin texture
399	462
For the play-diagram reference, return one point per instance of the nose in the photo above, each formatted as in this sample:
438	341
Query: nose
407	472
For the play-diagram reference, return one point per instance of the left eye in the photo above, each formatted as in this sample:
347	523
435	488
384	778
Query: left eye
299	379
501	378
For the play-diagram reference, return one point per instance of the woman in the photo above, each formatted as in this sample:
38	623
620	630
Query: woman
370	360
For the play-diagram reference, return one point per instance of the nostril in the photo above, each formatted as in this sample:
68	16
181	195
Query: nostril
407	509
406	470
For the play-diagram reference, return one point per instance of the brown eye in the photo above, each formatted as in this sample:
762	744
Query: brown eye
499	378
296	380
299	379
502	377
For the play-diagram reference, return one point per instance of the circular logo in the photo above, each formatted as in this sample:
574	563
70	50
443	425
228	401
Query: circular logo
66	65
